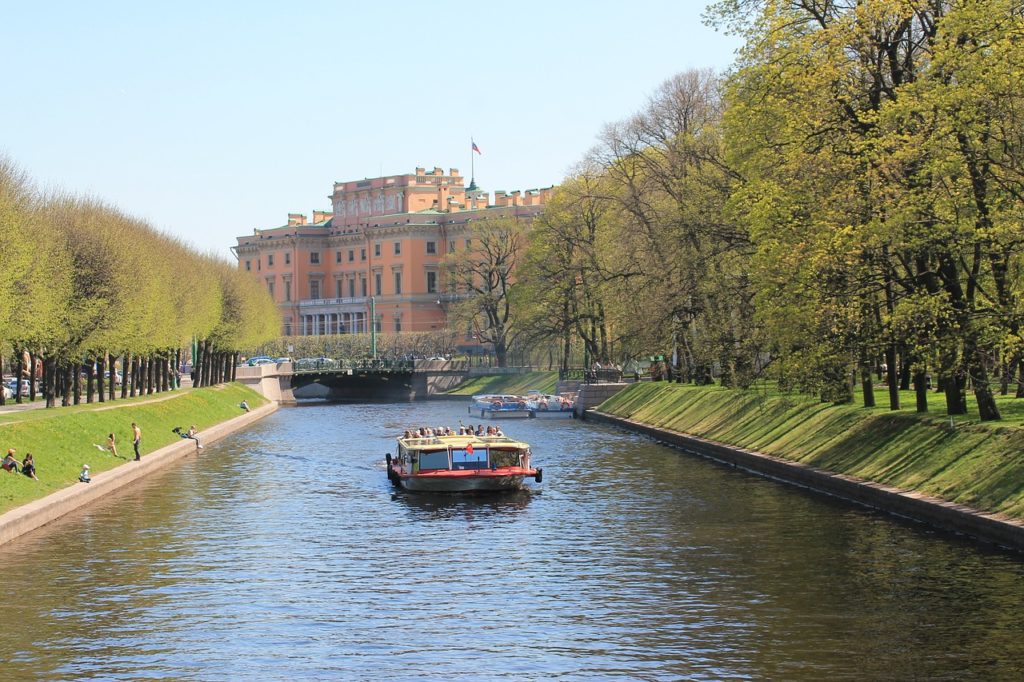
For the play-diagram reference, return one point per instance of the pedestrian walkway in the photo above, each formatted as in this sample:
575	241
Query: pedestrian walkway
186	385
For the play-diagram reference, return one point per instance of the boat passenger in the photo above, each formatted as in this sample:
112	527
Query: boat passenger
479	429
498	432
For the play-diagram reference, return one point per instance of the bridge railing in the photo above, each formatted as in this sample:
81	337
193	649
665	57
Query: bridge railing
591	376
359	364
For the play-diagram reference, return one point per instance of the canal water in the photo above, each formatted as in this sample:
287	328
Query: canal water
283	553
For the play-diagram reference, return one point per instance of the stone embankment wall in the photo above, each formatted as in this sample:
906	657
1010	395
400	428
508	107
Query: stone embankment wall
33	515
993	528
592	395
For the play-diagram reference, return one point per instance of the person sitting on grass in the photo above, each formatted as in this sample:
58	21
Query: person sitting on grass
28	466
244	405
84	476
191	433
10	464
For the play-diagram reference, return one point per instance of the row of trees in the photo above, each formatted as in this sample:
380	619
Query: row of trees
849	197
88	289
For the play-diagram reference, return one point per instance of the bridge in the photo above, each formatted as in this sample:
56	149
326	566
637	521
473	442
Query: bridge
354	380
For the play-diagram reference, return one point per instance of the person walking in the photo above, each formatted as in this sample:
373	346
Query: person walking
136	440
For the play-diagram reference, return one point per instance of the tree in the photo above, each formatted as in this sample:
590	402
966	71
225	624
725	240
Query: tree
483	273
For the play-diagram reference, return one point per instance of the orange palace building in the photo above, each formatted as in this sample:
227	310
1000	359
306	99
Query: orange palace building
385	239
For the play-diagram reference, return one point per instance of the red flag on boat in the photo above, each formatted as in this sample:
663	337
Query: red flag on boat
469	448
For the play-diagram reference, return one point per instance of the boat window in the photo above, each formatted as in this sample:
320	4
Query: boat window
505	458
434	460
462	460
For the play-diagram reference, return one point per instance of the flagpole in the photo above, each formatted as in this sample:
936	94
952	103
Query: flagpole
472	163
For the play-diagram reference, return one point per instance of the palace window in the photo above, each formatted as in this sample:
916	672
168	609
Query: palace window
362	287
431	247
314	257
431	282
398	248
376	250
314	288
288	290
337	256
270	260
377	283
362	254
287	258
248	265
351	255
398	283
270	288
351	288
337	288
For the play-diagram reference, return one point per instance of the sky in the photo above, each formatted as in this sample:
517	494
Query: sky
210	119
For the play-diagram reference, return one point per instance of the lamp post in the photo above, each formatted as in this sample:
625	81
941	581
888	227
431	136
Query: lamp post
373	327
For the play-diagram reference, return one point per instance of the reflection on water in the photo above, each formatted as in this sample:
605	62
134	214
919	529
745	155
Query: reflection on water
283	552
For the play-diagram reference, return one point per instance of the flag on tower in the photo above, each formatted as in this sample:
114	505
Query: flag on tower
475	148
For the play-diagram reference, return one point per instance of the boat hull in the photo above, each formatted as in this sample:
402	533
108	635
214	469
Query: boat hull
553	414
504	414
464	484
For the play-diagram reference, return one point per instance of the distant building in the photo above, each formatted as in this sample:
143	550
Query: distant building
385	239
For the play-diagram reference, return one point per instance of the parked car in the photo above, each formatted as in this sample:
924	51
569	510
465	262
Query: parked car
260	360
12	386
280	360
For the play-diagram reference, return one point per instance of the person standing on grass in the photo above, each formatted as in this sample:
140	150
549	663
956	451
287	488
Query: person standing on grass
136	440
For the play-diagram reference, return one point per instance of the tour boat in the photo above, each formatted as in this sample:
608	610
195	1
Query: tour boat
548	405
454	464
496	406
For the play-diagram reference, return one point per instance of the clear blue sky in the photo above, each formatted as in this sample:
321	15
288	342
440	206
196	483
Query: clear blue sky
209	119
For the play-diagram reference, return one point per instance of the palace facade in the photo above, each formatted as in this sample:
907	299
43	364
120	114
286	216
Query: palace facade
379	252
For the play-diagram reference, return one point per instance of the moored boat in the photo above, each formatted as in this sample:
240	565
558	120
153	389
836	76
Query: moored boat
548	405
499	406
461	463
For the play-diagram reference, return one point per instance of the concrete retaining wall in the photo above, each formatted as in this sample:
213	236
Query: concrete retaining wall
994	528
26	518
592	395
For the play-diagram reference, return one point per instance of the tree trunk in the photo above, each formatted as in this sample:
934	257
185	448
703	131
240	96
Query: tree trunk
69	375
866	384
234	365
921	390
101	371
32	376
904	372
3	400
956	392
987	408
90	385
134	383
892	378
197	364
18	372
49	381
1020	378
126	373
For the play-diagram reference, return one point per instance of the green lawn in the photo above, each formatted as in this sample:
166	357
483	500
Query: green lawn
980	464
508	383
64	438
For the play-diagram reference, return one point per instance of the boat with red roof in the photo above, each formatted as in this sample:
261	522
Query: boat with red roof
460	464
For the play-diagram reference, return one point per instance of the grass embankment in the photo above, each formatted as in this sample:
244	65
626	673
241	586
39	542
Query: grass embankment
508	383
978	464
63	439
